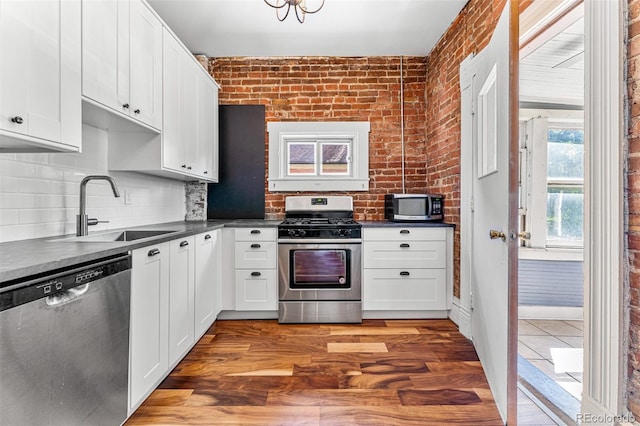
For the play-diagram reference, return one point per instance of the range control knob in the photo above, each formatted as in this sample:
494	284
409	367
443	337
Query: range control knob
302	233
292	232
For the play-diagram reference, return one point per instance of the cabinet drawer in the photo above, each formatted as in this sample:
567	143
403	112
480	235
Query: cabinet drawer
404	234
404	289
413	254
256	290
255	255
256	234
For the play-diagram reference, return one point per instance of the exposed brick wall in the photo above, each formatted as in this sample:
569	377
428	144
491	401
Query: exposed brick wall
340	89
469	33
633	197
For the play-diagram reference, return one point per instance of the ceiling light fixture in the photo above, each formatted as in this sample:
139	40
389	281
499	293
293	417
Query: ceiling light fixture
299	6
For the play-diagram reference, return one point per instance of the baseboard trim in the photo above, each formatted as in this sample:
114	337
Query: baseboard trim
405	314
462	317
551	312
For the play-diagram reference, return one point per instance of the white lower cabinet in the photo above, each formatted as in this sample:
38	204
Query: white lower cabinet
149	350
407	268
256	290
208	294
175	297
181	297
256	279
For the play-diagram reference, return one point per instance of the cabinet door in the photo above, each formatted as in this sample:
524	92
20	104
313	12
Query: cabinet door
190	112
105	52
408	289
207	164
181	297
207	277
256	290
149	354
145	92
256	255
409	254
40	71
173	153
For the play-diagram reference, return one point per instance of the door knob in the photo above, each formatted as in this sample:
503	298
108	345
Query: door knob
524	235
493	234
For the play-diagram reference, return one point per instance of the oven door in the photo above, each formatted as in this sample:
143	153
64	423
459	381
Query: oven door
319	271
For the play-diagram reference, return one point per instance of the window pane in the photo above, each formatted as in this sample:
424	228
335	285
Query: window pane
565	154
565	211
302	158
335	159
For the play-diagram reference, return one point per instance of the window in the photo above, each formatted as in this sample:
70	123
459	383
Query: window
318	156
552	182
565	186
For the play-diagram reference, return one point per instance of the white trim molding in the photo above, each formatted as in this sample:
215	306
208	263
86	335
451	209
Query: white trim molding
461	316
603	391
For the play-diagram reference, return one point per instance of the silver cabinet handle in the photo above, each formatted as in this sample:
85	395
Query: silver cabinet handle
17	119
404	245
207	237
255	231
153	252
255	245
255	274
404	273
404	231
184	243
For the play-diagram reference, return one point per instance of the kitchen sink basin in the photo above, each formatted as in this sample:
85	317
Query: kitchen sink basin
115	236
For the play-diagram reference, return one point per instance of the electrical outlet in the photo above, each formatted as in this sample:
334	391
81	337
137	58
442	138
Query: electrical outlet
128	197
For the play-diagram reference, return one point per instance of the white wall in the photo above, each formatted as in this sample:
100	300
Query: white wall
39	193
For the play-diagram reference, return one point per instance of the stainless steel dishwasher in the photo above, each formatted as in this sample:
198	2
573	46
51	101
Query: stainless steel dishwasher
64	345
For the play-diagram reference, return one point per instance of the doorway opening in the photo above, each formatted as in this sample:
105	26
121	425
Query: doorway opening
550	278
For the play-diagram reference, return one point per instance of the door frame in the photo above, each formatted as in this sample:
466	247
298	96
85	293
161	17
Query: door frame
605	321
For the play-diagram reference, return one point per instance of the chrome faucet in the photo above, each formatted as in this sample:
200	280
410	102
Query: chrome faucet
82	220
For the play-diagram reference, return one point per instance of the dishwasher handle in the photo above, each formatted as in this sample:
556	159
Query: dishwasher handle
65	297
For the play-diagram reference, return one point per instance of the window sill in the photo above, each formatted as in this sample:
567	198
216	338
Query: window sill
316	184
556	254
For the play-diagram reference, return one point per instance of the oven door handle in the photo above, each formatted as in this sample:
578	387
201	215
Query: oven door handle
320	241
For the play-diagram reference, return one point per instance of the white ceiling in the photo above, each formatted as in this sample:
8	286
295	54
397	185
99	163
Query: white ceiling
219	28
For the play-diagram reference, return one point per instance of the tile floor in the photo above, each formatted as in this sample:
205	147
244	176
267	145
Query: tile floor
554	347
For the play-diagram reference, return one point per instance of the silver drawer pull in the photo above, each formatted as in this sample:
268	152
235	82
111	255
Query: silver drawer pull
184	243
404	231
153	252
404	273
255	274
207	237
404	245
255	245
255	231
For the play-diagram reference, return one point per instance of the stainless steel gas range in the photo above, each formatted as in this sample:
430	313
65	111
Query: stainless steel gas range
319	260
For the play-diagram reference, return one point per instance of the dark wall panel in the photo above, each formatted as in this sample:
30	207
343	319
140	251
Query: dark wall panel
240	193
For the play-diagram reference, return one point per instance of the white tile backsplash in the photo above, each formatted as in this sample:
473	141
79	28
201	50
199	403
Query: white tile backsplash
39	193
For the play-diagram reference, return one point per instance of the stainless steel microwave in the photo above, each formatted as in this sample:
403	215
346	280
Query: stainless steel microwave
414	207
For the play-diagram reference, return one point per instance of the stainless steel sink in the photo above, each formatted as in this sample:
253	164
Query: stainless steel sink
115	236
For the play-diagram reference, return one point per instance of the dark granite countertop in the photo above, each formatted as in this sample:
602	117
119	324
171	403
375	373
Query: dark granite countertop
19	259
389	224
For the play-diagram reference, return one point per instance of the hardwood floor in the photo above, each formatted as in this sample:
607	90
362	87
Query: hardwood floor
401	372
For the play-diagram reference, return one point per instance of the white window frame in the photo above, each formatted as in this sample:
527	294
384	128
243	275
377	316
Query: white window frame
534	181
282	134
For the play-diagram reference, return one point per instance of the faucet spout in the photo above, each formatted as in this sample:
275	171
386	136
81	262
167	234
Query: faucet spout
82	220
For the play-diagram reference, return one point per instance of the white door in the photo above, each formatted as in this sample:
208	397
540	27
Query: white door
490	218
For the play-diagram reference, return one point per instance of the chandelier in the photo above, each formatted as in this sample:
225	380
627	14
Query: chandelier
299	7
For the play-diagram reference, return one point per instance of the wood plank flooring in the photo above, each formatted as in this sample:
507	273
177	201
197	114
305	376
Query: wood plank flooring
400	372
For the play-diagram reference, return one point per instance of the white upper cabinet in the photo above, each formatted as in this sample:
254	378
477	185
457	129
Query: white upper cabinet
40	106
190	128
208	143
122	59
